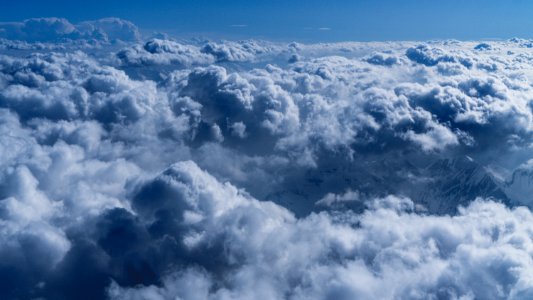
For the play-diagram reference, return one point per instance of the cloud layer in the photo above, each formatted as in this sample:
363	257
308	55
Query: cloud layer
61	30
226	170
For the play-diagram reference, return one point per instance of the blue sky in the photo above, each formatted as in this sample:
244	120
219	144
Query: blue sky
314	20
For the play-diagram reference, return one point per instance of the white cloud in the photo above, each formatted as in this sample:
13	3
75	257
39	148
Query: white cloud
385	253
333	199
151	166
163	52
58	30
238	51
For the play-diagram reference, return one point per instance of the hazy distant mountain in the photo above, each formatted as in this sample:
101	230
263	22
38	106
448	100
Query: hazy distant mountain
440	187
458	181
519	187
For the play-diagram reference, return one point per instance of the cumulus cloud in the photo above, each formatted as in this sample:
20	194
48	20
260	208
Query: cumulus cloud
163	52
389	252
238	51
58	29
249	169
382	59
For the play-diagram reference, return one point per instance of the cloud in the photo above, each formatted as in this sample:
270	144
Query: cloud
252	169
483	47
382	59
429	56
45	29
163	52
58	29
111	29
338	200
167	52
386	253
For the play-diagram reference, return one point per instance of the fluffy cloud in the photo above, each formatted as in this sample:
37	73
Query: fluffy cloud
251	169
238	52
163	52
160	53
389	252
57	29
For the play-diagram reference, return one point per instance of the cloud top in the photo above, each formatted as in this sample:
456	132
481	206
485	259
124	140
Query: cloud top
59	29
162	169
